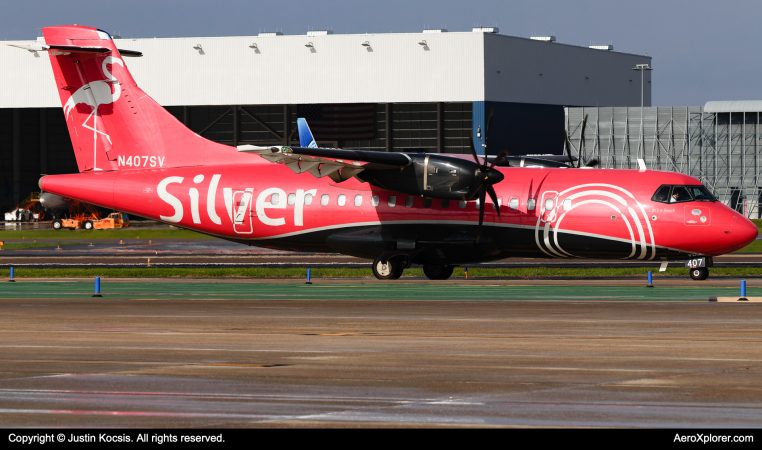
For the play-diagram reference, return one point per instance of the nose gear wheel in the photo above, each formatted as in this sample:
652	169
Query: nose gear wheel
700	273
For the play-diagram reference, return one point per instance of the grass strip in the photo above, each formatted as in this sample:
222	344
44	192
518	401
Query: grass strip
297	273
125	233
754	247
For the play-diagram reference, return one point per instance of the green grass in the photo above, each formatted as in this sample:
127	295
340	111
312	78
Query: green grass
758	223
299	273
754	247
126	233
22	245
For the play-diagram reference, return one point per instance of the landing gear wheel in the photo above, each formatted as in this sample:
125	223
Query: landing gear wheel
389	271
437	271
88	225
700	273
57	224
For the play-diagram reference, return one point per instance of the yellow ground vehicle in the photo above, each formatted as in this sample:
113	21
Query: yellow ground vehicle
114	220
92	221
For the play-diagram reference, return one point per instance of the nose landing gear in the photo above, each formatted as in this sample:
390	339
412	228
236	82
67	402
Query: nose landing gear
699	273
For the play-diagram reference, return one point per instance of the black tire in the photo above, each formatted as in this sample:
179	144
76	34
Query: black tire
88	225
392	270
57	224
437	271
700	273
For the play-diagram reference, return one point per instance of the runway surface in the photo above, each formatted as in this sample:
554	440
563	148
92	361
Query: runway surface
347	353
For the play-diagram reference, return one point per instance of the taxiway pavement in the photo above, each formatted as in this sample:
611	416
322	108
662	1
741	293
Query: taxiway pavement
347	353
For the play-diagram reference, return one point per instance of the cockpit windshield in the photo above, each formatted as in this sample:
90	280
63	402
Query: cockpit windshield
700	193
680	194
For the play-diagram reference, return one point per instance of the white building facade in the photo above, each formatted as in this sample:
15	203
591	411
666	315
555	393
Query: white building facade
427	92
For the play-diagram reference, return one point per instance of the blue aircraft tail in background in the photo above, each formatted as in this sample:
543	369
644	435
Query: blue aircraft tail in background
305	135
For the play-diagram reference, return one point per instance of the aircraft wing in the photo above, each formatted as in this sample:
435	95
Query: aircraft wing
338	164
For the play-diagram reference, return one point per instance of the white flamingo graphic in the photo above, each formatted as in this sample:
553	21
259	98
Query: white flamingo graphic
94	94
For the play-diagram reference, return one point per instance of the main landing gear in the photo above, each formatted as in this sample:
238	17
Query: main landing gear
391	270
437	271
700	273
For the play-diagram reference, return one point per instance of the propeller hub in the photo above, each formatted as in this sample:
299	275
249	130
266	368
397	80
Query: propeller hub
493	176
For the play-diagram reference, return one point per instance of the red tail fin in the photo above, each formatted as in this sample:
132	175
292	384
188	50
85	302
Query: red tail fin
113	124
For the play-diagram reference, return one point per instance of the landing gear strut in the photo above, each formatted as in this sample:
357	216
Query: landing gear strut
700	273
437	271
389	271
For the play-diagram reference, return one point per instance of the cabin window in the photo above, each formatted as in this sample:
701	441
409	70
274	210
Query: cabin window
513	203
341	200
291	199
358	200
392	202
427	202
409	202
462	204
324	199
499	203
274	199
567	205
530	204
308	199
374	201
548	204
445	204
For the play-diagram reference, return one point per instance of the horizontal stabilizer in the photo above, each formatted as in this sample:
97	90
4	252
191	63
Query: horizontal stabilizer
74	49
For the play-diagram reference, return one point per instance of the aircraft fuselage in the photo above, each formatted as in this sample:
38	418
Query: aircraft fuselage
545	212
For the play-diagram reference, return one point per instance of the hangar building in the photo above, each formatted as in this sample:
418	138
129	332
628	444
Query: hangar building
719	143
391	92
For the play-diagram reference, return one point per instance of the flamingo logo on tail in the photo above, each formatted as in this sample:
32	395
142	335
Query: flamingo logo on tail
94	94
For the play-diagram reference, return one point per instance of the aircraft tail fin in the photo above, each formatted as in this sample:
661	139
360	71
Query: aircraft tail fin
305	135
113	124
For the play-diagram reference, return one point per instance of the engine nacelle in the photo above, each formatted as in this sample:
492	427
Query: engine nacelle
435	176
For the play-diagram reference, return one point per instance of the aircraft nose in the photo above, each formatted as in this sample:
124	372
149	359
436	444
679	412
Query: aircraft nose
744	232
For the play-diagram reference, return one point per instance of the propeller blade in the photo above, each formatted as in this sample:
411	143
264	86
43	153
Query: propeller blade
493	196
592	163
471	143
502	155
486	134
582	139
482	195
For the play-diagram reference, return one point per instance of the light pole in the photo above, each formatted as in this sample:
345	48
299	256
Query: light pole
641	68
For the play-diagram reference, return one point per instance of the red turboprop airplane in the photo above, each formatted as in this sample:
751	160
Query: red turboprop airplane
395	208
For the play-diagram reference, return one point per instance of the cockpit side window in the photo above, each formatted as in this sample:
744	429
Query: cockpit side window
662	194
680	194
